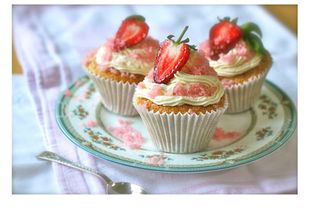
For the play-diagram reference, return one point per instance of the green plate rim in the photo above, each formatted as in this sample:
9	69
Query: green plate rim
284	138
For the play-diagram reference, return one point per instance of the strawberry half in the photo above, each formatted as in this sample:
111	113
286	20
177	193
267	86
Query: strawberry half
223	37
172	56
225	34
132	31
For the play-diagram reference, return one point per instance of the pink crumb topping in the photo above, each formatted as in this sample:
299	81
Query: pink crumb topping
106	57
124	122
227	83
131	137
198	65
87	60
228	58
146	50
67	93
141	85
156	159
205	48
220	134
241	50
150	75
104	53
91	123
193	89
155	91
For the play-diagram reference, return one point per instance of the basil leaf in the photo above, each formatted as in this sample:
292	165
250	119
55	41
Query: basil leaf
249	27
255	43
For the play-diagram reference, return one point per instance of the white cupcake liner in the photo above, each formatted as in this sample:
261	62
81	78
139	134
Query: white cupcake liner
116	96
180	133
242	96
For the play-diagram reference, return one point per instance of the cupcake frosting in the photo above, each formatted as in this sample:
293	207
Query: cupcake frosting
195	84
237	61
138	59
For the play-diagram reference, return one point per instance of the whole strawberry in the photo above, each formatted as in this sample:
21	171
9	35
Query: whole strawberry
132	31
224	36
172	56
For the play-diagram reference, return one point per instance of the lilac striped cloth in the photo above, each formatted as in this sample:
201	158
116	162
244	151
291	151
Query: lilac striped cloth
50	43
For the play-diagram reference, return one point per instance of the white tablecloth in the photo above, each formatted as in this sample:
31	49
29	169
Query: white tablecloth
29	174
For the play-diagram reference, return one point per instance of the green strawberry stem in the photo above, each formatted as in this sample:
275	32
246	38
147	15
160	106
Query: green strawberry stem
136	17
193	47
182	34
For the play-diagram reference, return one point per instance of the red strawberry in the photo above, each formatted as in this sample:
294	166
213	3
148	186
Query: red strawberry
225	34
223	37
132	31
172	56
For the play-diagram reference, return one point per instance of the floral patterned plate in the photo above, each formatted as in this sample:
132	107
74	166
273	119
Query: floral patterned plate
124	140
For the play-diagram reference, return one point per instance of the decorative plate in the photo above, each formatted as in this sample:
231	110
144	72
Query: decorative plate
251	135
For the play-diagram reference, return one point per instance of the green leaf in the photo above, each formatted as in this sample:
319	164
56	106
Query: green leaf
185	41
226	19
234	21
136	17
251	27
223	19
193	47
170	37
255	43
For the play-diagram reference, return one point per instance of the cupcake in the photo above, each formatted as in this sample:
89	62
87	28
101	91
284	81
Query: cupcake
240	60
121	63
181	99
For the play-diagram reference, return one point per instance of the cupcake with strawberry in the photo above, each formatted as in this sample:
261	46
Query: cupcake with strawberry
181	99
121	63
240	60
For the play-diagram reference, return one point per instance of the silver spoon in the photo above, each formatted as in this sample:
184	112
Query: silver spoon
111	187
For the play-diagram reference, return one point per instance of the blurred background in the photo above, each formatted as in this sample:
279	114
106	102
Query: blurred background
287	14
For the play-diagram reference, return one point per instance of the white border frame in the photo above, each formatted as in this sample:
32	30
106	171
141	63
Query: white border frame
308	143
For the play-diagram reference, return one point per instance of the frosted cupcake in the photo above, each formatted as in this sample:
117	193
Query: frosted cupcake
181	99
121	63
240	60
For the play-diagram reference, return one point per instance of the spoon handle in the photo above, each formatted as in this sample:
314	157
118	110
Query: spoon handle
50	156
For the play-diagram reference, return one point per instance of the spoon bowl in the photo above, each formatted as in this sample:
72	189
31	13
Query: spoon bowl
125	188
111	187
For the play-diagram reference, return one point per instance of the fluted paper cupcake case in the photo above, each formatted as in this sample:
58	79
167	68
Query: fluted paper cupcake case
242	96
180	133
116	96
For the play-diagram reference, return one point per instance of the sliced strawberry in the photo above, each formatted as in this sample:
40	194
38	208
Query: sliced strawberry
172	56
223	37
132	31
